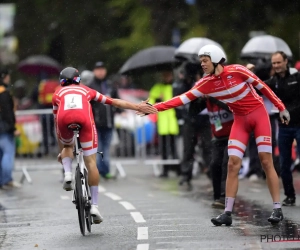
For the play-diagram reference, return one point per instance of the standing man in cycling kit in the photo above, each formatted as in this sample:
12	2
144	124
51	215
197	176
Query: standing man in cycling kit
71	104
233	85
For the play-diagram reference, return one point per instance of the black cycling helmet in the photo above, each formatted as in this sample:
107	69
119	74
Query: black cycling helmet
69	76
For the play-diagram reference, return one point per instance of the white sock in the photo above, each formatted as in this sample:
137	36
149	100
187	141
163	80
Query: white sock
94	194
67	164
276	204
229	202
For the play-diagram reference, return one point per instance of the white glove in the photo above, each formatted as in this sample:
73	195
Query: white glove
285	116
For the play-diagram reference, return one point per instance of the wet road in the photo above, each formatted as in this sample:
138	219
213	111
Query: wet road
140	212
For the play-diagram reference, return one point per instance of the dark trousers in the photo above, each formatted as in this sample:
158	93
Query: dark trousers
218	166
286	137
168	145
189	134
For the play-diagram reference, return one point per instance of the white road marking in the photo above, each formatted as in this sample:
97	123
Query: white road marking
101	189
138	217
142	233
113	196
64	197
142	247
127	205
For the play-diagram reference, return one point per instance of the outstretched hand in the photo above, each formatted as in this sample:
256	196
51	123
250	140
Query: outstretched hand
145	108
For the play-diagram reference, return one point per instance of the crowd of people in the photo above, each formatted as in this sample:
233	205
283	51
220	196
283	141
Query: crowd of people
226	110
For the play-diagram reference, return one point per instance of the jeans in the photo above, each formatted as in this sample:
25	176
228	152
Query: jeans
7	157
104	141
286	137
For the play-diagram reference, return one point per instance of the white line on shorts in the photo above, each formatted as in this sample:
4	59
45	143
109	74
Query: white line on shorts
113	196
127	205
142	247
138	217
142	233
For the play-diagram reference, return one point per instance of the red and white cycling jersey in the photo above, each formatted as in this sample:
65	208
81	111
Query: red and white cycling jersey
71	104
234	86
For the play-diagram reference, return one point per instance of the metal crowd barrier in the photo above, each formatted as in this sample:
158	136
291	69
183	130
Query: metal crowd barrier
134	142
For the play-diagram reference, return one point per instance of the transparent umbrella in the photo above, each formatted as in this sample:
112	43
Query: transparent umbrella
263	47
189	49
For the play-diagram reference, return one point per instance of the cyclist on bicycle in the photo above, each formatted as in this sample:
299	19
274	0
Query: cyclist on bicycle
71	104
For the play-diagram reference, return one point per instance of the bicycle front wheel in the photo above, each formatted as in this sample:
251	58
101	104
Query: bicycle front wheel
80	201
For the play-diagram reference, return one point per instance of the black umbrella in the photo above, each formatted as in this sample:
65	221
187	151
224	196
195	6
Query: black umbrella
154	58
37	64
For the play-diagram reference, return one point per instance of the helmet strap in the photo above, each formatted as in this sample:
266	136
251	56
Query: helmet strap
215	66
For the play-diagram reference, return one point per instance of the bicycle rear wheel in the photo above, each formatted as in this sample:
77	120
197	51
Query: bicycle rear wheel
80	201
88	218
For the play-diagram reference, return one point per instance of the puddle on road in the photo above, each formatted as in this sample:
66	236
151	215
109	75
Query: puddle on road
250	218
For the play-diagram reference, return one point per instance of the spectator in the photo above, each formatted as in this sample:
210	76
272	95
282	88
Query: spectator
167	125
104	117
286	86
42	95
7	132
86	77
221	120
21	100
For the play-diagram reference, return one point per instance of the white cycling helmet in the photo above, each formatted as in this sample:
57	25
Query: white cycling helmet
215	53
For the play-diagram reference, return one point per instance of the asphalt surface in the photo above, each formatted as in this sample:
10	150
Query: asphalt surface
140	212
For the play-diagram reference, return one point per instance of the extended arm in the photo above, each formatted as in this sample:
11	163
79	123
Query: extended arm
142	107
180	100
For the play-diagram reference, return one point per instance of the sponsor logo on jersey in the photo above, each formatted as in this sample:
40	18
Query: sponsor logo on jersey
230	76
267	139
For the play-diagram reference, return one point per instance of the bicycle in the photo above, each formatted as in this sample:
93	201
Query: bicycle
81	195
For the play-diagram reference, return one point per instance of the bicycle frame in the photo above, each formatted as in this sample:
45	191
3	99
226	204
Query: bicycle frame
80	163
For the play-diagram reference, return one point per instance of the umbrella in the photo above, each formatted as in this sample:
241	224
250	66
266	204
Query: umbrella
263	47
153	58
37	64
189	49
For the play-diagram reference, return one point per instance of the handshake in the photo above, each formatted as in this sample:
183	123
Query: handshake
145	108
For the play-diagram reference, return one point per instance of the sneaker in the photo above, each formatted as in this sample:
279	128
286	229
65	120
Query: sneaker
289	201
253	178
109	176
11	185
224	218
218	203
97	218
276	216
67	183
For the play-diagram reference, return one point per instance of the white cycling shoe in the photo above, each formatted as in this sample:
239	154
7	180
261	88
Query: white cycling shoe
97	218
68	182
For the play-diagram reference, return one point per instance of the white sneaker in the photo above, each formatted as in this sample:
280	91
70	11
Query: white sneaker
68	185
253	178
97	218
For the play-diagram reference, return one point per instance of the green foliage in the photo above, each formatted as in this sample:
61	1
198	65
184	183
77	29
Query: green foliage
113	30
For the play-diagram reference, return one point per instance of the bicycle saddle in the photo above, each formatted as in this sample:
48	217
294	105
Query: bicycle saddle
74	126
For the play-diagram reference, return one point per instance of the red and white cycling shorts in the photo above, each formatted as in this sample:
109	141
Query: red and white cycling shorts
87	134
256	121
